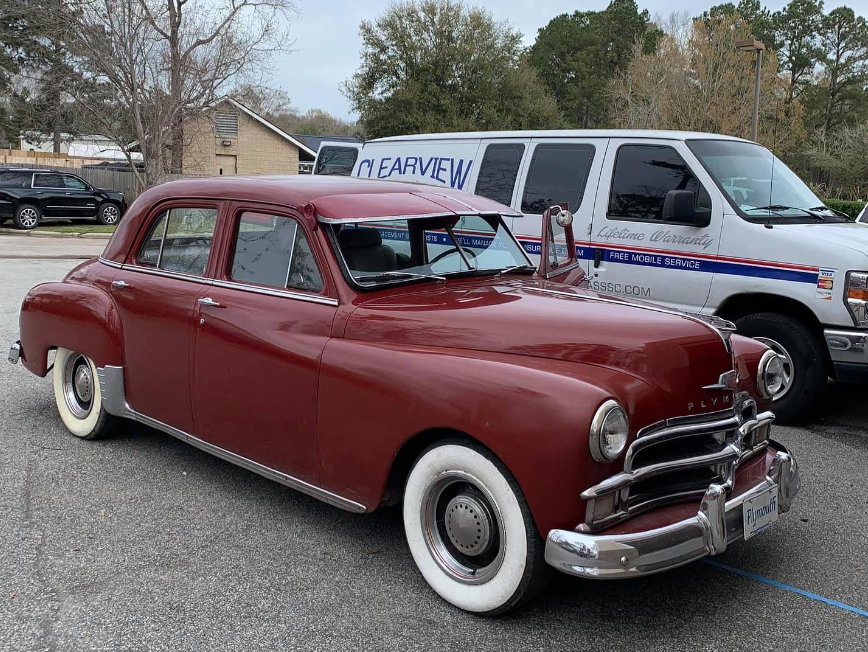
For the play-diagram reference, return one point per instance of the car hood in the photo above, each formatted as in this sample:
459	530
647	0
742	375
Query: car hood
675	353
841	234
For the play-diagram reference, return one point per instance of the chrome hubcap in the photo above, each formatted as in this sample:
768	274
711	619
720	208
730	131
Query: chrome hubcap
463	528
27	217
110	214
78	387
789	367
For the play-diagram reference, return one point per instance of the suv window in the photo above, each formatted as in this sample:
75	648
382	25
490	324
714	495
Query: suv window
73	183
15	179
498	172
180	241
273	250
558	174
47	181
642	177
336	160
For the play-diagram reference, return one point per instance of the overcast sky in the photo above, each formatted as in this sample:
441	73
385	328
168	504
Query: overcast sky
327	43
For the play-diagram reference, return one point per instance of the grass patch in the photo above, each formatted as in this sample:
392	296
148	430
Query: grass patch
74	226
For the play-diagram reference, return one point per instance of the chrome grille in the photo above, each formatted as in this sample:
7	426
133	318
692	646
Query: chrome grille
676	460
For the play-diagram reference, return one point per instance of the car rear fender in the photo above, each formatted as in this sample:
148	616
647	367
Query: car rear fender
74	316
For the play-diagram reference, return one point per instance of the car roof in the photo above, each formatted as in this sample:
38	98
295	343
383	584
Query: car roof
334	198
661	134
8	169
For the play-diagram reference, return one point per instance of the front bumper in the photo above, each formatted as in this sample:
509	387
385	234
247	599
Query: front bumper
848	350
717	523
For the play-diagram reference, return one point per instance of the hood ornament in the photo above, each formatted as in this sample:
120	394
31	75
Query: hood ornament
728	381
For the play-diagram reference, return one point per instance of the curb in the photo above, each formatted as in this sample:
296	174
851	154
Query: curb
54	234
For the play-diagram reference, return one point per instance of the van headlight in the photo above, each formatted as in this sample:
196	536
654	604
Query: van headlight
770	375
609	430
856	297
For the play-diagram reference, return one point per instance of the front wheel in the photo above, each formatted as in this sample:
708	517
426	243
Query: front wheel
78	396
805	368
108	214
470	531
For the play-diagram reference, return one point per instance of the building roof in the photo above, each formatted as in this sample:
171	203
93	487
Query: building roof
253	114
314	142
661	134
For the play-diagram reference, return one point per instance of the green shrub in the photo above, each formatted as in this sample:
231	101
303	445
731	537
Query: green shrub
851	208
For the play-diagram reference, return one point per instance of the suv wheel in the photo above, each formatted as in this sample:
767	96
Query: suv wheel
108	213
27	216
805	368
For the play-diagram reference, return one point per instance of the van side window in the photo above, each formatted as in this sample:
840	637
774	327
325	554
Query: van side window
558	174
642	177
336	160
498	172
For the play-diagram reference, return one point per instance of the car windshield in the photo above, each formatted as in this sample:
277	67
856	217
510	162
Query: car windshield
406	249
758	183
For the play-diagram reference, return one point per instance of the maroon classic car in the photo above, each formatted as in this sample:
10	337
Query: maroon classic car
375	343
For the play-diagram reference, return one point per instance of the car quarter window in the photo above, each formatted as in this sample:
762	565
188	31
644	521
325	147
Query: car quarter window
643	175
558	174
47	181
273	250
15	179
180	241
498	171
73	183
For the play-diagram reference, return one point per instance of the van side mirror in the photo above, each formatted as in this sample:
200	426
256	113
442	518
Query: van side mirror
680	206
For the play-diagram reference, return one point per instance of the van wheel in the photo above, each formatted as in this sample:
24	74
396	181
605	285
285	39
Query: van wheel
805	368
470	531
78	396
27	216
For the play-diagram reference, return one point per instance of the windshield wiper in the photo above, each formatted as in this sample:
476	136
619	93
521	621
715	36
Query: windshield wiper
831	210
507	270
399	274
781	207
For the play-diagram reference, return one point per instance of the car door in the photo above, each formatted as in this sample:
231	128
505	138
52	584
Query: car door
559	171
261	332
48	188
79	197
641	247
156	292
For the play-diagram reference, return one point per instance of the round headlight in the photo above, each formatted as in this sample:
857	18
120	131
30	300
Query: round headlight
770	375
609	432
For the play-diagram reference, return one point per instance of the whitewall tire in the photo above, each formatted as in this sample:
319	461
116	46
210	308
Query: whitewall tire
78	396
470	531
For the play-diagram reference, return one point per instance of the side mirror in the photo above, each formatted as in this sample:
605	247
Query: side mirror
680	206
558	259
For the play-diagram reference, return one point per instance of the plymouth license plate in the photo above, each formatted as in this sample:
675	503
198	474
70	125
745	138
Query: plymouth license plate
760	512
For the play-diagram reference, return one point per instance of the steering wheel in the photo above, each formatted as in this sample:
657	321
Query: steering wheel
449	252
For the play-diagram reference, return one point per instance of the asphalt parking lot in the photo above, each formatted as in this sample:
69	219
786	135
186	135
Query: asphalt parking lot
144	543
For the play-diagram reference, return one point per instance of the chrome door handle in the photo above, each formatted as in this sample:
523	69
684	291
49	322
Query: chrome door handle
208	301
120	285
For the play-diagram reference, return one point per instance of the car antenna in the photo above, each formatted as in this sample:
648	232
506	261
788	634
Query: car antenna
768	223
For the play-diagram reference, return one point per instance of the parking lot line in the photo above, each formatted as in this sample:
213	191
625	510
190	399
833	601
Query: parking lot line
787	587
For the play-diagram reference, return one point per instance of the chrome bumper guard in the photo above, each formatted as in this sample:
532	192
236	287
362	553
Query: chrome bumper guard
717	523
847	346
15	353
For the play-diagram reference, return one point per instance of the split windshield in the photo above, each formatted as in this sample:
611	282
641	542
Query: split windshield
758	183
406	249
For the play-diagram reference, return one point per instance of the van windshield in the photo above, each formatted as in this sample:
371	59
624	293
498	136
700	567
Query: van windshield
757	183
407	249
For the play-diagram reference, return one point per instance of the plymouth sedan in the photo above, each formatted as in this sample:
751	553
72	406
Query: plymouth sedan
374	343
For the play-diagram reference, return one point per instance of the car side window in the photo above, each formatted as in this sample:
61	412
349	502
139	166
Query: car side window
47	181
14	179
273	250
642	177
498	171
180	241
558	174
73	183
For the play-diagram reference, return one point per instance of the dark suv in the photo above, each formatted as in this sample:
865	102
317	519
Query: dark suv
28	195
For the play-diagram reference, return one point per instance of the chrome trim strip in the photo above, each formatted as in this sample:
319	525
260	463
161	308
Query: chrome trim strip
275	292
111	384
384	218
167	274
110	263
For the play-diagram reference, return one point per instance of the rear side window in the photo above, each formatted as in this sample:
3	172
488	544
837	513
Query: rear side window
643	175
47	181
180	241
558	174
15	179
273	250
336	160
498	172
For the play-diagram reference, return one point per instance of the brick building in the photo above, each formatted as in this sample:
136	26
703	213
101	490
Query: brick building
229	138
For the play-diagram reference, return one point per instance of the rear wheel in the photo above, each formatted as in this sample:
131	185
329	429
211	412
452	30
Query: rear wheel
27	216
108	213
470	531
805	368
78	396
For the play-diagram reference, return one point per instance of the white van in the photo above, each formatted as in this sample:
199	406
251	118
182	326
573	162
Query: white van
699	222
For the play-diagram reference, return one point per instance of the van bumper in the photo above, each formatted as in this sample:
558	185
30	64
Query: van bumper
848	350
